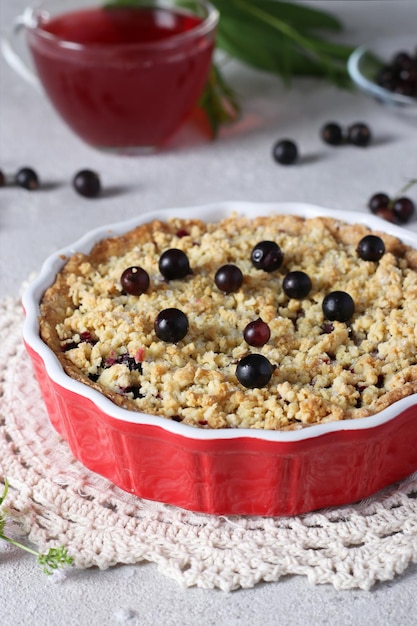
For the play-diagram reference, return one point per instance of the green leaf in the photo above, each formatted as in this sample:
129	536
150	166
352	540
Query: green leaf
333	50
262	25
219	101
252	44
260	45
300	16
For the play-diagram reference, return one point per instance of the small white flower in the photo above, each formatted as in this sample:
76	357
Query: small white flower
58	575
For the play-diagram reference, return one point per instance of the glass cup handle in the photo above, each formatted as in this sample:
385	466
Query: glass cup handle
11	54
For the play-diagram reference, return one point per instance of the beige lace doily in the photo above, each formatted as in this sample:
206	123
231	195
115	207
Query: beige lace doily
56	501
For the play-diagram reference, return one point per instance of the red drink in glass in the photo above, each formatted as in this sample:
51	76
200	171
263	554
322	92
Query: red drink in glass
123	77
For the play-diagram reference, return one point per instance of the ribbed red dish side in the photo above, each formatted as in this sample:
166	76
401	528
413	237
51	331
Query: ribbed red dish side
239	476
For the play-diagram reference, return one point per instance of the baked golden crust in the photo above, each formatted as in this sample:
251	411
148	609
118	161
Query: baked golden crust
323	372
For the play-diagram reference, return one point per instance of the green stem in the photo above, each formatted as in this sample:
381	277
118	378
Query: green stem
402	191
410	184
18	544
5	490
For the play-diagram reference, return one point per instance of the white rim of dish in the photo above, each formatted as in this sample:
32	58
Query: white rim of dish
371	87
210	213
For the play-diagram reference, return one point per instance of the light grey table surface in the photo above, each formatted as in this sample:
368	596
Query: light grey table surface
192	171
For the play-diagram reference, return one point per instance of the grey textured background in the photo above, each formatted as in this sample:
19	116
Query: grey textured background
193	171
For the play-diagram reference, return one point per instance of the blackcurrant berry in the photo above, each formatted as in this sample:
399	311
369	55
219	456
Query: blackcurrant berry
228	278
387	215
405	88
87	183
174	264
130	362
400	75
171	325
27	178
267	256
370	248
134	281
257	333
285	152
297	285
403	209
402	60
386	78
254	371
359	134
338	306
379	201
332	134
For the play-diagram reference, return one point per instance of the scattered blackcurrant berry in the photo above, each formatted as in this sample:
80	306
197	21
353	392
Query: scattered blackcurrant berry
338	306
174	264
228	278
27	178
379	201
285	152
254	371
267	256
403	209
134	281
371	248
398	210
171	325
359	134
257	333
297	285
332	134
87	183
387	215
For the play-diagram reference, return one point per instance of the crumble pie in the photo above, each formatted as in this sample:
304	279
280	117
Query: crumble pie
321	369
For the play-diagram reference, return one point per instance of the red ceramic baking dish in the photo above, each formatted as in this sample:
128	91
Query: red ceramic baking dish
227	471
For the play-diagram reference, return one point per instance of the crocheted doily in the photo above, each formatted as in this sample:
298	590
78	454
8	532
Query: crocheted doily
56	501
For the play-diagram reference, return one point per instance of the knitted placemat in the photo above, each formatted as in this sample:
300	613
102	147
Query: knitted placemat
56	501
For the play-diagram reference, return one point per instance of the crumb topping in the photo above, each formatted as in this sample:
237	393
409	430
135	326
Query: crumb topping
322	370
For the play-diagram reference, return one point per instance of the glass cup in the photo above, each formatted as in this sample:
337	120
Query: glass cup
123	78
